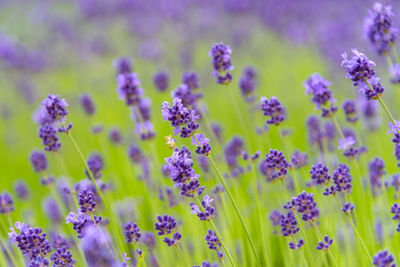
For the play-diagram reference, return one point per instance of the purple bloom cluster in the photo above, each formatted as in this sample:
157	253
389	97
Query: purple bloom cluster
361	71
207	211
274	109
135	154
123	65
176	238
81	222
395	209
289	224
383	259
350	110
299	159
21	189
38	160
185	92
132	232
275	165
6	203
191	79
305	204
55	108
87	104
180	165
297	246
182	119
320	174
213	242
325	244
95	164
342	181
161	80
376	172
62	257
165	225
49	138
86	201
115	136
221	60
232	151
378	27
317	86
247	83
129	88
202	144
31	241
348	208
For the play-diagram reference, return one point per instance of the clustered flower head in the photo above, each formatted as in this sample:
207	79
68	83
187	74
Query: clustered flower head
275	166
233	149
166	224
87	104
325	244
350	110
379	28
161	80
38	160
213	242
62	257
185	92
247	83
376	172
6	203
289	224
81	222
317	86
320	174
207	212
191	79
361	71
123	65
221	60
342	181
274	109
129	88
132	232
202	144
383	259
299	159
305	205
182	119
86	201
95	164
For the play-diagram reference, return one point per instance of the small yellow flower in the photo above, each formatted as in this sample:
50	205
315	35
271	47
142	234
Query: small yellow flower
170	141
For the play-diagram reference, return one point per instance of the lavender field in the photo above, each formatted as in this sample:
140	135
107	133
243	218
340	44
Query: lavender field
199	133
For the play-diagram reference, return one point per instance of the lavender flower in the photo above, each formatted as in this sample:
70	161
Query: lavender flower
135	154
207	212
273	109
376	172
202	144
81	222
191	79
325	244
31	241
129	88
383	259
317	86
49	138
161	80
132	232
395	209
213	242
115	136
123	65
299	159
275	165
62	258
221	60
38	160
165	225
55	107
306	205
232	151
342	181
6	203
275	217
52	210
350	110
372	89
176	238
185	93
315	135
95	164
182	119
86	201
247	83
359	68
378	27
319	174
96	249
87	104
21	189
297	246
288	223
348	208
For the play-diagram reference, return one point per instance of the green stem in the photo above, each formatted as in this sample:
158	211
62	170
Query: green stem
338	127
396	56
319	235
182	255
222	180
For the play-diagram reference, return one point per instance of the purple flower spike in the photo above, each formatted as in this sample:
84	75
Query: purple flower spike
319	174
273	109
306	205
161	80
326	244
123	65
275	217
208	211
132	232
348	208
350	110
275	165
165	225
191	79
55	107
176	238
378	28
6	203
213	242
87	201
373	90
95	163
297	246
129	88
87	104
346	143
376	172
342	181
221	60
62	258
289	225
49	138
181	118
247	83
38	160
359	68
299	159
383	259
317	86
202	144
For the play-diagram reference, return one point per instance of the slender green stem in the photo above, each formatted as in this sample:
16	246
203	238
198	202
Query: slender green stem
182	255
338	127
222	180
101	195
388	112
319	235
396	56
